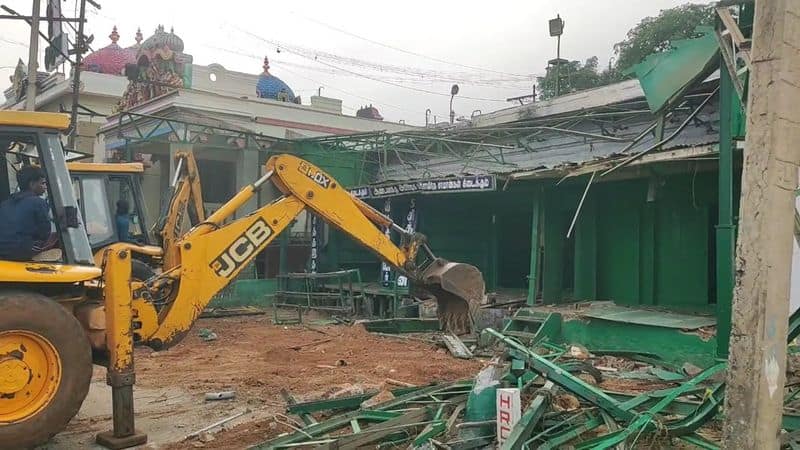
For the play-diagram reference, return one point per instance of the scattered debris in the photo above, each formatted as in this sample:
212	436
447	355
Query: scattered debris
225	395
309	344
207	335
578	352
668	375
216	424
348	390
380	397
690	369
316	330
566	402
232	311
433	341
456	346
398	383
205	437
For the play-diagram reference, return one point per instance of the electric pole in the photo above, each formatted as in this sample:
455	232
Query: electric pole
80	47
33	58
757	362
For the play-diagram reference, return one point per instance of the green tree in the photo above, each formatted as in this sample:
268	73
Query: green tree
655	34
573	76
651	35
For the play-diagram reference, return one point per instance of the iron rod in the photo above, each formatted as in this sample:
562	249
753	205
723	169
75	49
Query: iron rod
580	205
666	139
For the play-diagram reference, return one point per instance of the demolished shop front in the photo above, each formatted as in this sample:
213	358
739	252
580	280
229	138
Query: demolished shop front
466	219
643	237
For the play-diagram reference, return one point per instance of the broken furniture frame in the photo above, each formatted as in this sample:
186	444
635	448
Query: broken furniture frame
307	290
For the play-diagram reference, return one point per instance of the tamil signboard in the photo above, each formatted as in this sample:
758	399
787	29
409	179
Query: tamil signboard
475	183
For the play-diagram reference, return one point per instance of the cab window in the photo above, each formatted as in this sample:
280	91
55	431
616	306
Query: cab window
121	188
95	212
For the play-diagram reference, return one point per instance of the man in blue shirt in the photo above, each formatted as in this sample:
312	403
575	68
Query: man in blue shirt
24	218
123	220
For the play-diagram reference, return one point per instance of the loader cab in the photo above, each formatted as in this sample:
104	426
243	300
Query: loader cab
33	138
98	187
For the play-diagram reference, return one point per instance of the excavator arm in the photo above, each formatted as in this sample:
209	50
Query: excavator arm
184	197
213	253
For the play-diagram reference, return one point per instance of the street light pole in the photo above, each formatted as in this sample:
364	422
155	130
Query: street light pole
558	66
556	30
453	92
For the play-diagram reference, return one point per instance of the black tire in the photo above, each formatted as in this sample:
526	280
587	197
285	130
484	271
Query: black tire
29	311
140	271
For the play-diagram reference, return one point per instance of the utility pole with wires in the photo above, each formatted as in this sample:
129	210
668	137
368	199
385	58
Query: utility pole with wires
57	50
33	58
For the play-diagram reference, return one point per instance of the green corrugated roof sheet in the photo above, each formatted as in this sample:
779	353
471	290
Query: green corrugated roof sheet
665	77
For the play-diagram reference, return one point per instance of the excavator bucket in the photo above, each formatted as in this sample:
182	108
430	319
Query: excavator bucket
459	290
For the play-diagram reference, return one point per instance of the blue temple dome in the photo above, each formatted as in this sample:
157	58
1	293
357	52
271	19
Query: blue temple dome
271	87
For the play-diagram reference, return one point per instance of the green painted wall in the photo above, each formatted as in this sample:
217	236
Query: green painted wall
489	230
632	249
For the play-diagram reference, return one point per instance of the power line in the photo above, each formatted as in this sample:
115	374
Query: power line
13	42
367	76
409	52
316	82
422	73
372	100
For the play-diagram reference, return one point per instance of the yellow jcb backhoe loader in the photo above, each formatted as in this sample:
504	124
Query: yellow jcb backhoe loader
56	319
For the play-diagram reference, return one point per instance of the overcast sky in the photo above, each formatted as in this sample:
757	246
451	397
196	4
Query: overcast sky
400	56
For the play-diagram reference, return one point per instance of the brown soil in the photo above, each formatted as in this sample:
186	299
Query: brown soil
254	358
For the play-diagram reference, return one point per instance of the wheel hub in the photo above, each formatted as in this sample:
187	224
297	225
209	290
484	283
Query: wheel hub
30	374
14	375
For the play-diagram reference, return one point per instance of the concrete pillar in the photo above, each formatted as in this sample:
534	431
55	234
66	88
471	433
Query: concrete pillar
248	170
757	362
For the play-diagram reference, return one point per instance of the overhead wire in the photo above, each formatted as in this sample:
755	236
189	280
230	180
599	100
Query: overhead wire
369	77
316	55
398	49
326	85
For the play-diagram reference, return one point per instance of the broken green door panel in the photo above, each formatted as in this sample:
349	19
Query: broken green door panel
669	344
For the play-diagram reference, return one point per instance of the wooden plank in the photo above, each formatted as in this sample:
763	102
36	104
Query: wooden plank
732	26
456	347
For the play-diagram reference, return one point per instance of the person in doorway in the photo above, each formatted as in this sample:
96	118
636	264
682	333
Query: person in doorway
123	220
24	220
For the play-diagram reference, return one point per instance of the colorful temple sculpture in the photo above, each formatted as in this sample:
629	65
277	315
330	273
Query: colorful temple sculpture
271	87
160	67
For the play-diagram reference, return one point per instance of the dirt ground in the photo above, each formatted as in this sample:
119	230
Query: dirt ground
254	358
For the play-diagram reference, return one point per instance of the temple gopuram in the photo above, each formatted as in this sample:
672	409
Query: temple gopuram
158	67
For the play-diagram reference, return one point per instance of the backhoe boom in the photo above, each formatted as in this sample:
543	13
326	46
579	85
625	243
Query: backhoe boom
213	253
